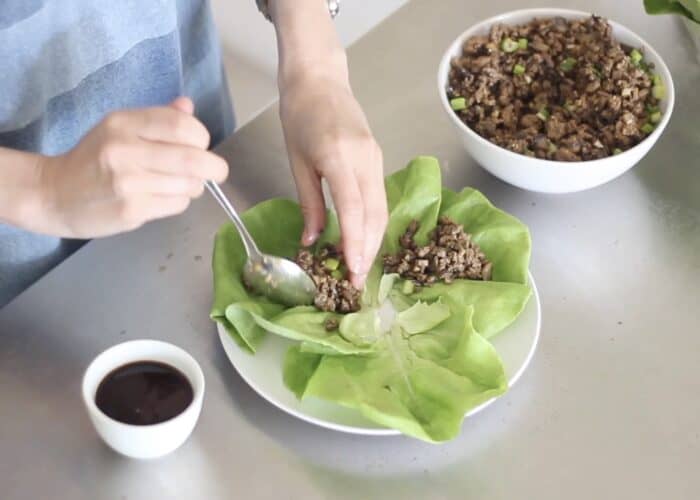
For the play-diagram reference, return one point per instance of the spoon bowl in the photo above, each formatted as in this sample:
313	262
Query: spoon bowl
280	280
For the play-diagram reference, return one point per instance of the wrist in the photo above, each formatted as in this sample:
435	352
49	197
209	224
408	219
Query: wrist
331	67
21	191
264	8
307	42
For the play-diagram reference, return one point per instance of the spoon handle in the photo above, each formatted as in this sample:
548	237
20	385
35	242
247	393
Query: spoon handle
250	247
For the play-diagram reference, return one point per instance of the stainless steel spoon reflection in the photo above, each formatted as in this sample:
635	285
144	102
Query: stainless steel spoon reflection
279	279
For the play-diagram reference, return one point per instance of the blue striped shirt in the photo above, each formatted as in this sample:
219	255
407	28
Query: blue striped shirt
64	64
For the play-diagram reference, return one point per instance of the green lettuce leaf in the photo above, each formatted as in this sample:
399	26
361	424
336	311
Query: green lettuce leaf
298	368
503	238
314	348
421	317
421	384
413	194
693	6
361	328
385	286
687	8
496	304
305	323
242	327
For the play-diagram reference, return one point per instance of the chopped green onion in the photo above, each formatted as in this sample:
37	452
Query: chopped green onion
543	114
656	79
336	274
522	43
569	106
636	57
552	148
408	287
598	73
652	109
617	151
655	117
518	69
331	264
458	103
658	91
509	45
567	64
647	128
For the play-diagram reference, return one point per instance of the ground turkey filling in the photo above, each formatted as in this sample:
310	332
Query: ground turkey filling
449	255
334	292
556	89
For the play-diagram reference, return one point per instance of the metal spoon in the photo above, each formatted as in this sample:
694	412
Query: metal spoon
275	277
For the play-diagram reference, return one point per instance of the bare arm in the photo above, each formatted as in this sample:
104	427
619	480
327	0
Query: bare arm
327	133
307	41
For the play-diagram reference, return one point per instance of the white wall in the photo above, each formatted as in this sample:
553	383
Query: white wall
250	52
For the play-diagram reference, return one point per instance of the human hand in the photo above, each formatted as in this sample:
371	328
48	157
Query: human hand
133	167
328	136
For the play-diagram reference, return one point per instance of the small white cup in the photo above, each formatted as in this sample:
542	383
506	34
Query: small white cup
143	441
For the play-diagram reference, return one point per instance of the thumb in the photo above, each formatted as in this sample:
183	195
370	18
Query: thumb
183	104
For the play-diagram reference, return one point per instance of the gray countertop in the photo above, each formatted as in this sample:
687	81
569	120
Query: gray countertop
609	408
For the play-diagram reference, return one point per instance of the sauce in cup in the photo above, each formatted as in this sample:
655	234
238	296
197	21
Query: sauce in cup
144	393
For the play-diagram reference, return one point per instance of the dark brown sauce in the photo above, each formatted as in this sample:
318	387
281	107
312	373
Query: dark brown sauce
144	393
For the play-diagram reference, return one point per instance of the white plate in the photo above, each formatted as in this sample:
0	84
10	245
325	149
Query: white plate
263	372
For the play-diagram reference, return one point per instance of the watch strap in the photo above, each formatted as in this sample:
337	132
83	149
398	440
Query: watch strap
333	8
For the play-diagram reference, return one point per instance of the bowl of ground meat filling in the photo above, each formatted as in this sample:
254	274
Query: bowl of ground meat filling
554	100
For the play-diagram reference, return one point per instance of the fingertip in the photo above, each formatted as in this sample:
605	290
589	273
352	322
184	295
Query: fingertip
183	104
356	265
223	170
352	251
309	237
358	280
314	222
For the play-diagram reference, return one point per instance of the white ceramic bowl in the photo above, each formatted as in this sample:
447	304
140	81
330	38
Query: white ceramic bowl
143	441
547	176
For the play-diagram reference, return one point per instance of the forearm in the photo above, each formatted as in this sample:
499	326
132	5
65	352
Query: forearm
20	188
307	41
